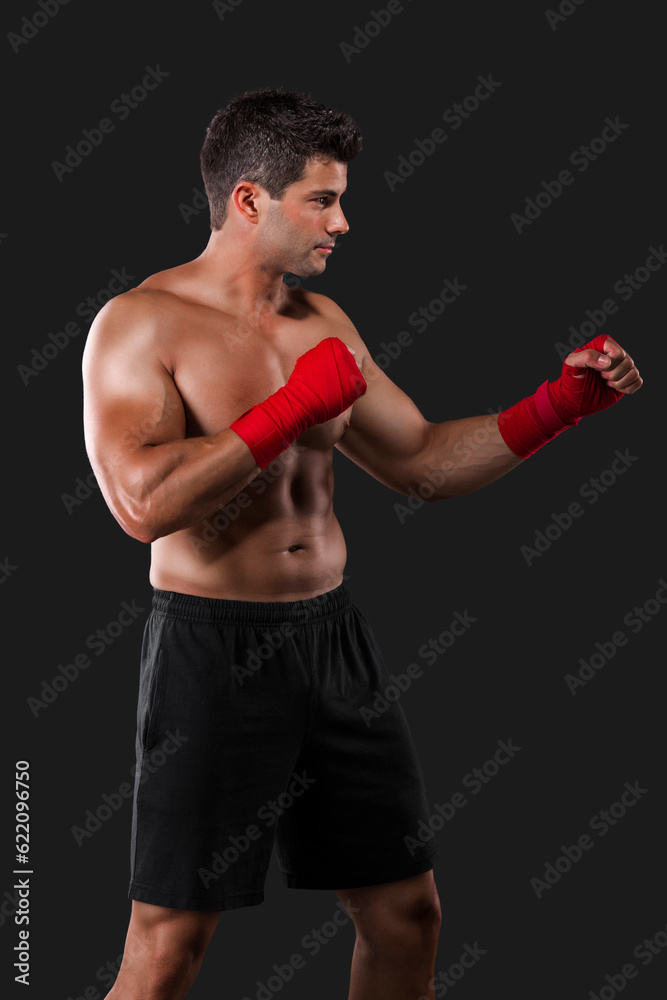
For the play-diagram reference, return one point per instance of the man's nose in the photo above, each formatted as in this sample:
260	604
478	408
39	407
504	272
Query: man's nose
338	224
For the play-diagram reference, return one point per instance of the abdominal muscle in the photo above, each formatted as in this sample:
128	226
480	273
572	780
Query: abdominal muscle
277	540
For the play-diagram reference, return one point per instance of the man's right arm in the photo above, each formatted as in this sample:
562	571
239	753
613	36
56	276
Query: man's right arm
154	479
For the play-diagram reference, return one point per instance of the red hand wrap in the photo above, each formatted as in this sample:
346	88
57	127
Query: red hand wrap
537	419
326	380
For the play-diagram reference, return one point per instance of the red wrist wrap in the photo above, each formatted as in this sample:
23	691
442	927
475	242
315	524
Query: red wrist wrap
326	380
531	423
537	419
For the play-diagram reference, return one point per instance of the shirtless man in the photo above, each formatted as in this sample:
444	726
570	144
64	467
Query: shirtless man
214	396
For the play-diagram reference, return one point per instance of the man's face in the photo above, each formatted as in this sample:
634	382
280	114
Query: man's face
295	229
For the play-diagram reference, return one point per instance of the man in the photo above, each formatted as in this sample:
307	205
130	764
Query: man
214	396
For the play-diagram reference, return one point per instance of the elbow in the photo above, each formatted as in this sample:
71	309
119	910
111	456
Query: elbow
141	512
137	528
131	508
145	529
141	535
427	480
427	488
135	522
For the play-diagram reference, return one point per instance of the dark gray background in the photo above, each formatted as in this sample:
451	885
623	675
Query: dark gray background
505	678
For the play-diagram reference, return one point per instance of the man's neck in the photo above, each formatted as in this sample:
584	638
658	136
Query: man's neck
229	271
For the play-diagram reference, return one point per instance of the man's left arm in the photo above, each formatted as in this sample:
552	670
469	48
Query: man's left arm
389	438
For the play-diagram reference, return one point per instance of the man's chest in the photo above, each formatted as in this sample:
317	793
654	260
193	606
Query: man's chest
223	368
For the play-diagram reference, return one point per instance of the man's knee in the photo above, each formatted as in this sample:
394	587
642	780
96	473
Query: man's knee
402	934
425	913
401	916
432	920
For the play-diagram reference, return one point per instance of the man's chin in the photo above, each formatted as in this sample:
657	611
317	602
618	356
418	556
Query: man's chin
310	270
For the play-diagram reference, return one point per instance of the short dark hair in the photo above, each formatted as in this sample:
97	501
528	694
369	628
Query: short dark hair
267	136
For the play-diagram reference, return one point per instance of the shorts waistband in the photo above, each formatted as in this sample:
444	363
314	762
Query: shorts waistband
218	609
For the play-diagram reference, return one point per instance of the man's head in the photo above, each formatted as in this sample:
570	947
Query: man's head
270	137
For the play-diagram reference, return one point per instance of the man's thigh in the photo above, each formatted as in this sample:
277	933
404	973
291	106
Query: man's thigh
215	742
360	819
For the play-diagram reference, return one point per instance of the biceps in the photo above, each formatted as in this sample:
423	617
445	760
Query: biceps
387	432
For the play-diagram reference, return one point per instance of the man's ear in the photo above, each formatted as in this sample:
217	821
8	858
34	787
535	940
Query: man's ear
245	199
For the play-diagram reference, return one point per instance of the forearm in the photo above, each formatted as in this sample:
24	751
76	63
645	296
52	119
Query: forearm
389	437
461	456
168	487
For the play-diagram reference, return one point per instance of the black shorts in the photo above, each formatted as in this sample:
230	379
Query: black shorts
253	723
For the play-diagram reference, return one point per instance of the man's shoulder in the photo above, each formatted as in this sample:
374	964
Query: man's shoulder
324	306
338	322
132	320
168	281
139	305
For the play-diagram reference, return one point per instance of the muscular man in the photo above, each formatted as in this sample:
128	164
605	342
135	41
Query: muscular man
214	396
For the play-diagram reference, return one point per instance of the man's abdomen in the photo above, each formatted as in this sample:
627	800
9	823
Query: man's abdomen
286	559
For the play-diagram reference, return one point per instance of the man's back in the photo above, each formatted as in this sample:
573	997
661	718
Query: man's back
172	361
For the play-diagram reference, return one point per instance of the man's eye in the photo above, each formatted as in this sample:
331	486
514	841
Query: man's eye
324	199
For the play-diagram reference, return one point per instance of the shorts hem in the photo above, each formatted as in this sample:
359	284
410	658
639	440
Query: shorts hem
183	901
342	880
